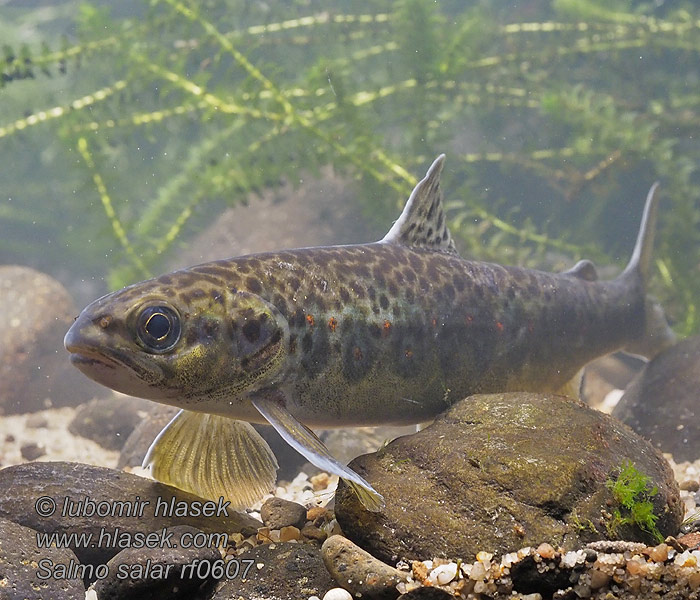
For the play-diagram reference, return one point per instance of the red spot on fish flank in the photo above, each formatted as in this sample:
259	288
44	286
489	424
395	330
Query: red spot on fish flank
357	353
310	320
386	328
499	326
409	353
332	323
434	322
469	319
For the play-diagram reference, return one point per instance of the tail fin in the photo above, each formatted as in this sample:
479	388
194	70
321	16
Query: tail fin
657	335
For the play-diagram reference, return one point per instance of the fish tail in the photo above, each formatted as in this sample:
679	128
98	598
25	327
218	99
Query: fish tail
656	335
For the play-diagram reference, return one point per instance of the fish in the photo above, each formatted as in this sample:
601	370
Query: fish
389	332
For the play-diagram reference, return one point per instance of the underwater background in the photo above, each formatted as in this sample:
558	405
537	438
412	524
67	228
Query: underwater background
140	137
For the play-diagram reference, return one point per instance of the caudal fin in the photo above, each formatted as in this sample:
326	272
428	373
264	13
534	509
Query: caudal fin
657	335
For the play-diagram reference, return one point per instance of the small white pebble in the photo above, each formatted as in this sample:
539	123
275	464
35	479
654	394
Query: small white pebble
570	559
443	574
337	594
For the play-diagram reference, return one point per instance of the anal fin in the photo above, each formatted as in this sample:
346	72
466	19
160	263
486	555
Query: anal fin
306	442
213	456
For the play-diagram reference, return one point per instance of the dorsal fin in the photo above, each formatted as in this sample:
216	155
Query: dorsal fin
422	223
583	269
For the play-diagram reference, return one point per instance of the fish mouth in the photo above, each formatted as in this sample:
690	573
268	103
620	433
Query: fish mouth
85	357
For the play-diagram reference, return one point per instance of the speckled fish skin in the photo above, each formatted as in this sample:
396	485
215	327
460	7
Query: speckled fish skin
364	334
385	334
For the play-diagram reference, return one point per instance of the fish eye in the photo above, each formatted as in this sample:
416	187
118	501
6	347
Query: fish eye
158	328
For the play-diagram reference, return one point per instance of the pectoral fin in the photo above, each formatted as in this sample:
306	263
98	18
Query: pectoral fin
305	441
213	456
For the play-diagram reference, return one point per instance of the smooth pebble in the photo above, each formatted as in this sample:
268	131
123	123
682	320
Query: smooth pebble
337	594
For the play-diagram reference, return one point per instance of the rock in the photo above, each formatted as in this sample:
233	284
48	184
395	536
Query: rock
32	451
337	594
426	593
498	472
26	571
34	371
159	415
277	513
312	532
162	572
140	439
663	403
317	210
36	421
36	494
281	570
109	421
608	373
358	571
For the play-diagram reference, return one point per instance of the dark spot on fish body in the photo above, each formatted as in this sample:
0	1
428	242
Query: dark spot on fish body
378	277
393	290
371	292
398	278
358	290
410	297
253	284
297	319
280	304
210	329
415	262
242	268
449	291
409	350
294	283
383	302
362	271
306	343
410	275
251	330
165	280
316	352
344	295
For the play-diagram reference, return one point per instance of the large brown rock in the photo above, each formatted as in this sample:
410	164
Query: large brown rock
28	572
109	421
663	402
502	471
175	571
276	571
35	372
52	497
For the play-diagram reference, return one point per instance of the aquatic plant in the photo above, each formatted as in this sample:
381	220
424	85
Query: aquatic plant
633	491
556	121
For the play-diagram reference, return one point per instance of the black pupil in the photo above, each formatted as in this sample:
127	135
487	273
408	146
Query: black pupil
158	326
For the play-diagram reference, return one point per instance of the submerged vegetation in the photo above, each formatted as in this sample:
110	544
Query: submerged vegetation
118	143
633	491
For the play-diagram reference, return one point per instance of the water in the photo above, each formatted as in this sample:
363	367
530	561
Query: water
136	139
